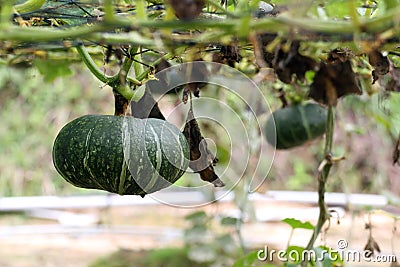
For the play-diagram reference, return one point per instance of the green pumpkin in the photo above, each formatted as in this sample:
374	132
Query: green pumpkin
122	155
295	125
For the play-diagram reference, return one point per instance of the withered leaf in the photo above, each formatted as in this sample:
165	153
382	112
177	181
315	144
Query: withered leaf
380	63
229	54
164	64
146	107
187	9
201	159
332	81
191	88
391	80
263	57
196	77
371	247
292	63
339	54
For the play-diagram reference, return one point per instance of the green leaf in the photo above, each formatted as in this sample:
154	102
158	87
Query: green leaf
339	8
202	253
229	221
141	10
294	254
247	260
328	257
226	243
139	93
310	74
29	6
294	223
322	258
195	234
51	69
389	4
300	177
195	216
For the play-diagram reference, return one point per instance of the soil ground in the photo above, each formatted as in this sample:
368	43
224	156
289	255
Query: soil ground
34	242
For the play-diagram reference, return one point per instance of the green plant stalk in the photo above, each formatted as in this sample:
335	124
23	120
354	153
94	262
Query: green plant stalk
97	32
5	11
290	237
356	22
282	24
241	240
118	81
115	81
167	56
109	10
218	7
353	14
123	38
41	34
370	26
330	125
241	201
123	73
228	25
322	180
137	66
87	59
141	10
29	6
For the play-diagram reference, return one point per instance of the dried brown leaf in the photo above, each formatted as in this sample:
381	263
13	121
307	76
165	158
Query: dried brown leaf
339	54
201	159
391	80
292	63
333	81
380	63
376	246
227	54
196	75
187	9
371	247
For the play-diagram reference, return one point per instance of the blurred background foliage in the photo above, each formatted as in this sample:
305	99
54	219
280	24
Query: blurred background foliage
34	110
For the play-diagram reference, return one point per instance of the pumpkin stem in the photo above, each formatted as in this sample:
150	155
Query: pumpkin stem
121	105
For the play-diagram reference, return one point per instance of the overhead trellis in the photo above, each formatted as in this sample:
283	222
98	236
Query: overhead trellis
135	22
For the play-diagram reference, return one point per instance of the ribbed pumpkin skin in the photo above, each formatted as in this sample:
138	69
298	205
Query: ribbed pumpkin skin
122	155
295	125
